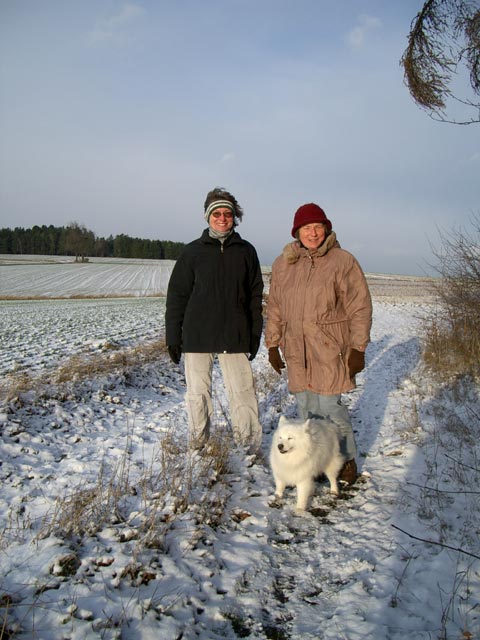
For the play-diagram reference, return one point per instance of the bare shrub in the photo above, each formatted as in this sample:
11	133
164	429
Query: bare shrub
452	331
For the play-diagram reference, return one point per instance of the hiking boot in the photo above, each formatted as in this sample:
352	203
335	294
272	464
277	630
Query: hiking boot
349	473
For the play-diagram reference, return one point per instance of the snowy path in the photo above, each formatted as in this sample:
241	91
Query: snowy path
335	574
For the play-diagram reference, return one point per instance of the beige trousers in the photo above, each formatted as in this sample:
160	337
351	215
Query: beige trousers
238	378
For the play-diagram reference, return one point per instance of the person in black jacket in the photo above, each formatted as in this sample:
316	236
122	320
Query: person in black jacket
214	307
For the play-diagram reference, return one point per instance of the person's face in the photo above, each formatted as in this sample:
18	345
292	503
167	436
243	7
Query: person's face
221	219
312	235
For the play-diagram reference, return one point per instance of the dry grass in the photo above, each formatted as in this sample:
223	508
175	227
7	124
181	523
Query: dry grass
175	481
452	346
80	367
452	332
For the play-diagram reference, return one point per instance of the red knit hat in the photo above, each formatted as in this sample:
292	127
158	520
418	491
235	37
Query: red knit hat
307	214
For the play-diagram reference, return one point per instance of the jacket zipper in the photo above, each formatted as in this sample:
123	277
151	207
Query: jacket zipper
224	297
308	370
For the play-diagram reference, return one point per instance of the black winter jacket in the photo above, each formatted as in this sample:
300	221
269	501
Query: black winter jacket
214	298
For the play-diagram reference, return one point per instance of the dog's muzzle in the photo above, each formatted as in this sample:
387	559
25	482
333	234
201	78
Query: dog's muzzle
281	448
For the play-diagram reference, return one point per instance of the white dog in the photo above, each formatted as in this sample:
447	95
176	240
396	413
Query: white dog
302	450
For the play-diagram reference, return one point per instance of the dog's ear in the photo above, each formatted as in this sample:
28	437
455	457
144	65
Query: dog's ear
307	425
282	420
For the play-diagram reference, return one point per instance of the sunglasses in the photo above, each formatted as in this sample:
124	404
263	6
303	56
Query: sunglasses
217	214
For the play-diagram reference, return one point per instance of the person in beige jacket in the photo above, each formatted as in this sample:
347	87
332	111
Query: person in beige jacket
319	314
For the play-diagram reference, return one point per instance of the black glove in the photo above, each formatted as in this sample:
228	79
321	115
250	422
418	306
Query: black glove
254	349
175	353
356	362
275	359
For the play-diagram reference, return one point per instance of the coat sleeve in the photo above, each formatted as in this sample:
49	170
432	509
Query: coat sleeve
256	293
179	291
273	330
358	305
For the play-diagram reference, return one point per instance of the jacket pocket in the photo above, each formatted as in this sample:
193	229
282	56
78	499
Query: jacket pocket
293	347
327	337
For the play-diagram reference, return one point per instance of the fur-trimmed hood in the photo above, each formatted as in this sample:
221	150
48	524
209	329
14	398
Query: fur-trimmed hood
294	250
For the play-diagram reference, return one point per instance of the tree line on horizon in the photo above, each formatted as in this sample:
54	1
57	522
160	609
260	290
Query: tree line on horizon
76	240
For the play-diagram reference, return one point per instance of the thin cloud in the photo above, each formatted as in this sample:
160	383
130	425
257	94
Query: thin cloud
358	35
228	157
114	30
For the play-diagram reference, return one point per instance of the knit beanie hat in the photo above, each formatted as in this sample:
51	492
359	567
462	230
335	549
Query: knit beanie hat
220	197
308	214
218	204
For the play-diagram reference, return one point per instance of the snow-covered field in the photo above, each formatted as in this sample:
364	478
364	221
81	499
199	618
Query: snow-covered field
39	334
110	528
53	276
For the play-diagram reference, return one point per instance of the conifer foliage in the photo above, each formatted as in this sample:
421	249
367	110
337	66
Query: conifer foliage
76	240
443	51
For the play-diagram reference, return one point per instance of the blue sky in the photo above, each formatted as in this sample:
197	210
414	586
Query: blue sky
122	115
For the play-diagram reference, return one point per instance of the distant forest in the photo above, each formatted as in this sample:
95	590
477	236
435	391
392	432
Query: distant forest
76	240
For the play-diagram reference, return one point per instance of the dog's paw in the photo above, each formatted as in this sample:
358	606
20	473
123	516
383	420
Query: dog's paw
276	502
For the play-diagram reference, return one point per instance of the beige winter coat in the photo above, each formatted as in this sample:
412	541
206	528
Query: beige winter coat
319	308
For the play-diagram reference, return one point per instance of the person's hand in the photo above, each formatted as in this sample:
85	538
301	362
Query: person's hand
175	353
356	362
275	359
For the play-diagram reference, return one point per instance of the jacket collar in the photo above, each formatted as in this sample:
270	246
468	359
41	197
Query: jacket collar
207	239
293	251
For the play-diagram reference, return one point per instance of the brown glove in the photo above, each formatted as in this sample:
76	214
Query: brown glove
275	359
356	362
